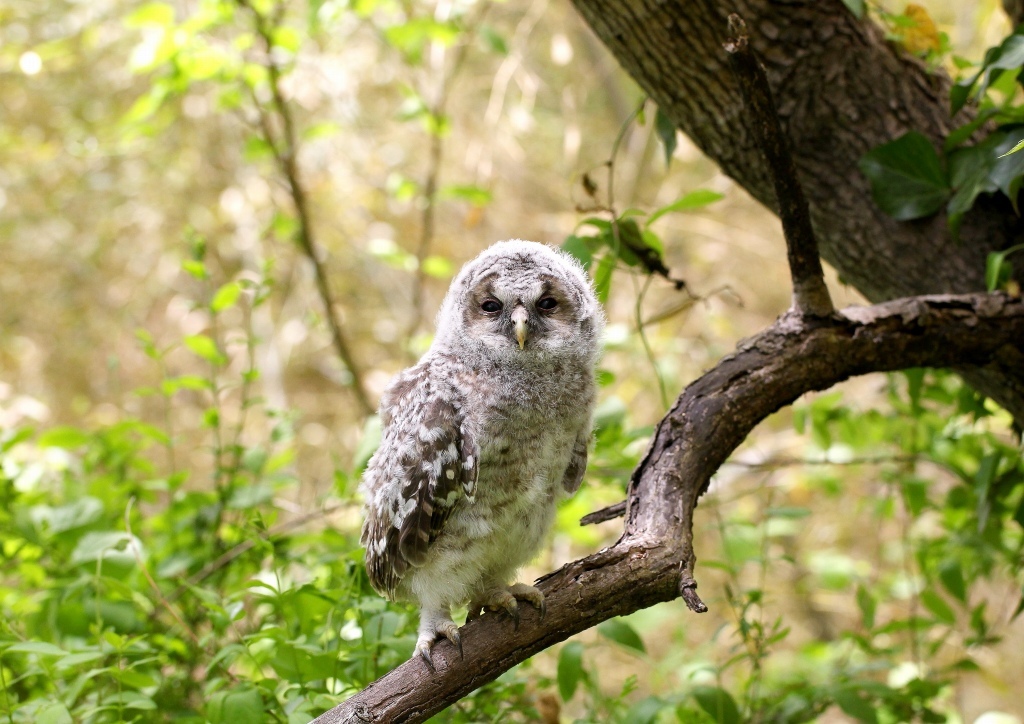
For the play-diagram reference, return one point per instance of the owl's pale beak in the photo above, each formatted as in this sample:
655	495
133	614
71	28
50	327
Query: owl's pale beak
519	317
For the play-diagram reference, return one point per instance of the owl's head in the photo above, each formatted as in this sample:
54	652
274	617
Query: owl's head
520	301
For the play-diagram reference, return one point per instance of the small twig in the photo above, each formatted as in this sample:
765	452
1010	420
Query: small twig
284	151
810	295
600	516
430	187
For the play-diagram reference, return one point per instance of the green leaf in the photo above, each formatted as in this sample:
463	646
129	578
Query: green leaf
718	703
997	269
856	706
622	633
55	713
855	6
242	704
603	277
645	711
476	195
579	247
159	14
952	576
1009	55
666	131
493	40
225	297
438	267
40	648
203	346
693	200
938	607
969	170
1017	147
866	603
906	175
570	669
67	438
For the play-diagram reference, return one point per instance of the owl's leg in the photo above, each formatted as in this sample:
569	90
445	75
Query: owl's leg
434	623
506	598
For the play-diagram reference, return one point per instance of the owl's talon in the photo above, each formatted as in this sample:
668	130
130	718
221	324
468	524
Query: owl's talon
424	652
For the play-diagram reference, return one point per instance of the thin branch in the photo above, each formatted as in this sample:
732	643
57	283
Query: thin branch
654	559
810	295
436	155
284	147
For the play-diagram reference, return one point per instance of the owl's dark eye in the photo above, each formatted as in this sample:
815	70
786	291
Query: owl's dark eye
547	303
490	306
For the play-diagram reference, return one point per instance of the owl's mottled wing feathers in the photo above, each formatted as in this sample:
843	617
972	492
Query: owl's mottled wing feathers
426	466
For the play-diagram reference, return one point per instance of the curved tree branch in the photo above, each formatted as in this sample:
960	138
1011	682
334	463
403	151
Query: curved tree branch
654	559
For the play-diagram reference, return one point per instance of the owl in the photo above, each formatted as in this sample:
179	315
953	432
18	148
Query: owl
483	437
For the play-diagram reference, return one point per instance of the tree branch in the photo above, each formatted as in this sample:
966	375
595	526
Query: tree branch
654	559
810	295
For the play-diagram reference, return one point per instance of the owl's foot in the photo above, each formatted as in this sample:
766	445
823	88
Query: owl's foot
507	600
430	629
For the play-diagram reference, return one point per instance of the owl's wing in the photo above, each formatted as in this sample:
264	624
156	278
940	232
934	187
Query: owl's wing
577	464
427	465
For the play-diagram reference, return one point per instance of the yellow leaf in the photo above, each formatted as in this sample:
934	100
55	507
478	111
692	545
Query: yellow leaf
919	35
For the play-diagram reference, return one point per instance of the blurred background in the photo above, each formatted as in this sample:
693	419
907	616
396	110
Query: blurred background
184	184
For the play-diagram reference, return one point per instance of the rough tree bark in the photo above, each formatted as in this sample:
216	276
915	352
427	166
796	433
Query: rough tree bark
840	89
809	348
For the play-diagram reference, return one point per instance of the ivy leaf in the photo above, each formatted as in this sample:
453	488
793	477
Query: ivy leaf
1009	55
907	178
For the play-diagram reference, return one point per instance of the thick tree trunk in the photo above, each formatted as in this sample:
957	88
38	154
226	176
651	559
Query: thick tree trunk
841	90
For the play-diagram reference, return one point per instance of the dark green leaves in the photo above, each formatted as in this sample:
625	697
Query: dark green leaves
907	178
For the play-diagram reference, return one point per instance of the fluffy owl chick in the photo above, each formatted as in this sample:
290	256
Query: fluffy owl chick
483	437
